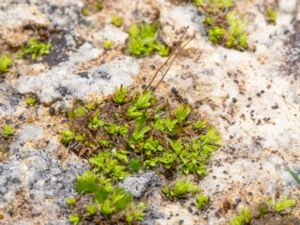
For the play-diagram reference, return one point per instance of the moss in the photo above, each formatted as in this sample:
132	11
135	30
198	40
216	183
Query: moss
282	204
74	219
99	5
201	201
30	100
5	63
7	131
132	131
224	24
243	218
84	11
107	44
270	15
266	212
117	21
143	40
181	188
35	49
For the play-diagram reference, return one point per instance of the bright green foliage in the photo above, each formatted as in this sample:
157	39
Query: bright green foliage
236	37
66	136
224	25
90	105
7	131
107	198
91	210
143	100
35	49
270	15
95	123
103	143
80	111
151	146
114	201
134	165
180	189
5	63
137	136
110	164
139	103
86	183
120	94
117	21
214	5
221	4
243	218
201	124
30	101
198	2
165	125
74	219
114	129
209	141
283	204
168	160
107	44
216	34
143	40
182	112
71	201
201	200
129	132
135	213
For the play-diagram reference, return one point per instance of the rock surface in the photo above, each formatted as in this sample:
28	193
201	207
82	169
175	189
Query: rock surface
252	98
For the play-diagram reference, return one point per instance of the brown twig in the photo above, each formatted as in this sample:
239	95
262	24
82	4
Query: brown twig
165	73
170	56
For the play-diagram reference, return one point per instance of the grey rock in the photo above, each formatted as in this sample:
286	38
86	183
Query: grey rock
112	33
9	99
138	184
62	82
64	15
38	178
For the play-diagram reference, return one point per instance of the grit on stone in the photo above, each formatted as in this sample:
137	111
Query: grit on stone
251	97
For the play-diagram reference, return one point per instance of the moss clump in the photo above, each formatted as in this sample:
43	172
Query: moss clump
143	40
84	11
5	63
30	100
117	21
201	201
35	49
99	5
7	131
128	132
107	44
282	204
270	15
180	189
224	25
243	218
267	212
